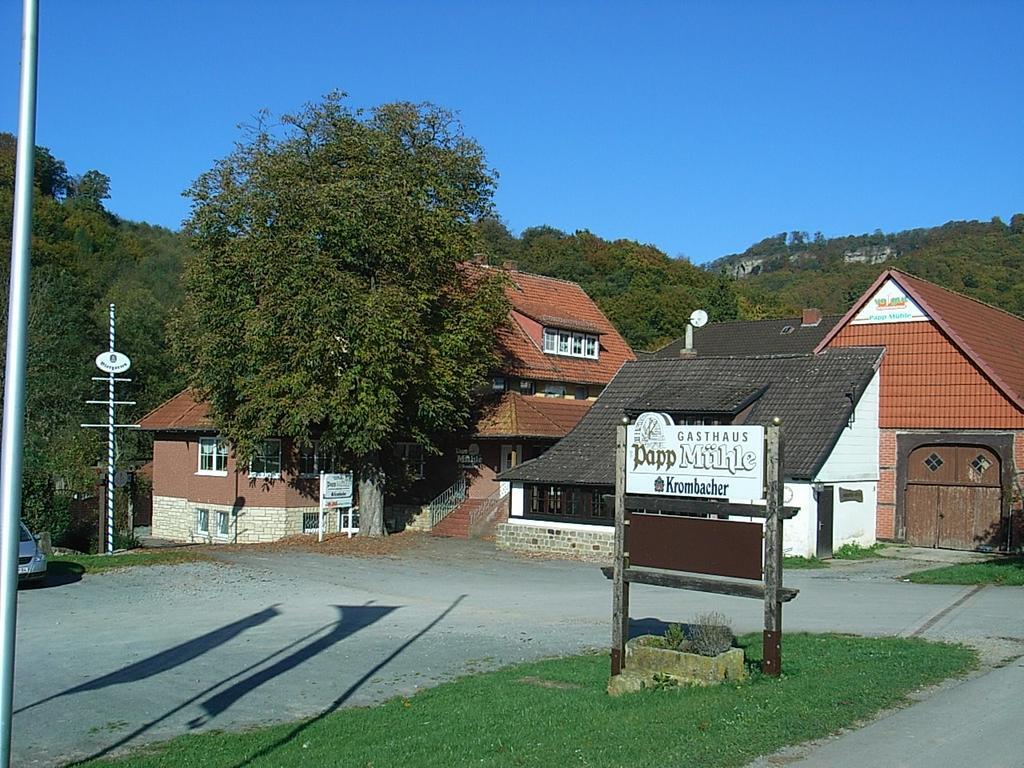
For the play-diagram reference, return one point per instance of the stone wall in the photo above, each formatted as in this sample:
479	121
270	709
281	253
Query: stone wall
597	545
176	519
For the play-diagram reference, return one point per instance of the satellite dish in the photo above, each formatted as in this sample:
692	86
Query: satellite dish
699	318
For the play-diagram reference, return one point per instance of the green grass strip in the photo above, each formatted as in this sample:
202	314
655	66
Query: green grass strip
100	563
856	552
803	562
556	713
1007	571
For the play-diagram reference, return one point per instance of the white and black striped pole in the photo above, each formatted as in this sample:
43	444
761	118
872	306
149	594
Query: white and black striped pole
110	444
111	363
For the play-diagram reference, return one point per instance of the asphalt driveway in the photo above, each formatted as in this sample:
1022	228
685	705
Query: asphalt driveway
125	658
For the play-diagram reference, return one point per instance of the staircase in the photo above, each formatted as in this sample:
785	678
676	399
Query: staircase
456	524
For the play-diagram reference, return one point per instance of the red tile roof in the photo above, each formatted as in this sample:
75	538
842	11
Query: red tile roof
990	337
182	412
529	416
539	302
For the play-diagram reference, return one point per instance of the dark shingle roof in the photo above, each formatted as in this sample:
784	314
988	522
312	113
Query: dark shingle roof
740	338
814	396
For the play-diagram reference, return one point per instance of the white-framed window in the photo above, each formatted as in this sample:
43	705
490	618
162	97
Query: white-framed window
571	343
213	456
498	384
222	523
577	345
411	455
266	462
202	521
554	390
314	459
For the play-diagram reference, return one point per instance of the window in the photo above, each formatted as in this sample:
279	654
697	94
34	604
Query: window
572	503
577	345
222	523
554	390
498	384
559	342
411	454
314	459
202	521
213	456
581	393
311	522
266	462
527	387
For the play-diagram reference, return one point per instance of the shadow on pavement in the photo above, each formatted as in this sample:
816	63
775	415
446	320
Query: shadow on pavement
347	694
169	659
58	574
362	617
352	619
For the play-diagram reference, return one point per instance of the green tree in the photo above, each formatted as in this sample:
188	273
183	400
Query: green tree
328	294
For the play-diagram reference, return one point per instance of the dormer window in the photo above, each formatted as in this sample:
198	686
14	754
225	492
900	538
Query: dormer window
570	343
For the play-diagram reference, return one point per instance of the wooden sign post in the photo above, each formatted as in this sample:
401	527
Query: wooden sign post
668	540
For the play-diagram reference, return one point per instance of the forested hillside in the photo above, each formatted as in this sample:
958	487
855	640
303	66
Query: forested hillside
84	258
782	274
647	295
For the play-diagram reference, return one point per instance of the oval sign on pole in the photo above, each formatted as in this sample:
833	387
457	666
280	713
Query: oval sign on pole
113	362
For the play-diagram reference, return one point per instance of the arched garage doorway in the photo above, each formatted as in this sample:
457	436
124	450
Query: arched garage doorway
953	497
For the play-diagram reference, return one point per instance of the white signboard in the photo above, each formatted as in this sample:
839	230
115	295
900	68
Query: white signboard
336	490
703	461
889	305
113	362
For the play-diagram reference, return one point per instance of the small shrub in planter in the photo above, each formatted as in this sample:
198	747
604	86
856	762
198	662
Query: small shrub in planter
700	653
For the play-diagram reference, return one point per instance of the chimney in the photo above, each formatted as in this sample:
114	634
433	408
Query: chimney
688	351
810	317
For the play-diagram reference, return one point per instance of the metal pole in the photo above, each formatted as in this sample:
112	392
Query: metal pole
12	441
110	446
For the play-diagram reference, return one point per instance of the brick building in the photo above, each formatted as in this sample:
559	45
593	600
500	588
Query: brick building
558	351
951	412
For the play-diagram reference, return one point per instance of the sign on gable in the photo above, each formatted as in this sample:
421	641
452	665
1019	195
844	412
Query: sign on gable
889	305
702	461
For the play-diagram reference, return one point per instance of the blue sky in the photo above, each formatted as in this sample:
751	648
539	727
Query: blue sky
698	127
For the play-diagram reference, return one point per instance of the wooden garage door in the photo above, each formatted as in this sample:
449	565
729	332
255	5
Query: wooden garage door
953	497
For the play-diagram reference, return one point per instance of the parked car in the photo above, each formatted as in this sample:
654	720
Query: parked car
31	560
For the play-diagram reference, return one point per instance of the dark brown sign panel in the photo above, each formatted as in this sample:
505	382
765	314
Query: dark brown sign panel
698	545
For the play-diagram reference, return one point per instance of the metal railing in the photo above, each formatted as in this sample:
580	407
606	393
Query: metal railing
482	519
447	501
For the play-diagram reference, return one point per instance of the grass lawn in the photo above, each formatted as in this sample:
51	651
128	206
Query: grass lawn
856	552
1005	571
803	562
556	713
59	564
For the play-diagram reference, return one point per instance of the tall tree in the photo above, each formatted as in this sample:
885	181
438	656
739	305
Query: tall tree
327	296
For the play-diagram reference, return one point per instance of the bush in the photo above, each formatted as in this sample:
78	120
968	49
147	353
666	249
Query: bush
42	508
711	634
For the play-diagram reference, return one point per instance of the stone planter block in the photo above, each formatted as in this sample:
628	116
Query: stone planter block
646	663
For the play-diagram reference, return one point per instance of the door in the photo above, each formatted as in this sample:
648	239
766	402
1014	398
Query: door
953	498
825	505
509	459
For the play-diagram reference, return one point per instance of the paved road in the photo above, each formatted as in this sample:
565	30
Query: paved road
130	657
